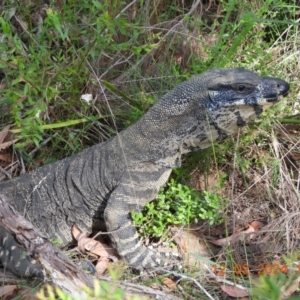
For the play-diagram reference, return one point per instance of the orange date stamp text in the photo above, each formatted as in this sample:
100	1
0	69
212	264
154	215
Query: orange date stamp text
262	269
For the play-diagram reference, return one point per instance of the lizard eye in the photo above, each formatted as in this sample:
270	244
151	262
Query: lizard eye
243	88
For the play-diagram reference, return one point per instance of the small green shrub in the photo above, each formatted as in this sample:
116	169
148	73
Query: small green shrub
177	204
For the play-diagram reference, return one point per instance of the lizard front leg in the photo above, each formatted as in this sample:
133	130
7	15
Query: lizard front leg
132	194
126	240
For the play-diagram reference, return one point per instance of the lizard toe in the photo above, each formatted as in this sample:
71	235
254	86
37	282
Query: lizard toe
158	261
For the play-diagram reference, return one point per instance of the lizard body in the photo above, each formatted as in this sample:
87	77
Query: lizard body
104	183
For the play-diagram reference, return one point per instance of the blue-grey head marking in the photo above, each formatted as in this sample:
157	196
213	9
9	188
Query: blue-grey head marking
236	96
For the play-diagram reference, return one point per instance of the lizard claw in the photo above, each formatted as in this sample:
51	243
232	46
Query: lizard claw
156	261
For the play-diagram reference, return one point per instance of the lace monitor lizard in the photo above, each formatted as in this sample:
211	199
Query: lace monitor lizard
104	183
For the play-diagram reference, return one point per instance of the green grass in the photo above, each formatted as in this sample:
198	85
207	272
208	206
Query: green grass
84	47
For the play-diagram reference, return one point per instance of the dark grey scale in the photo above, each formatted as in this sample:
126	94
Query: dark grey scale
177	163
221	136
15	259
240	121
201	137
258	109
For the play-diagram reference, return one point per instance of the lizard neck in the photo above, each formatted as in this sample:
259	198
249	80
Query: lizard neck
164	140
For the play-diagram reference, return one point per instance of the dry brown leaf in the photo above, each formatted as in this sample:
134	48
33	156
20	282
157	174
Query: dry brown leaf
7	290
168	282
76	232
256	225
289	288
91	245
102	265
6	157
3	133
190	246
238	229
181	243
251	228
7	144
234	291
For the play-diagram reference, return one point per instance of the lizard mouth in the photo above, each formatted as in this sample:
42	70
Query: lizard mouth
276	99
285	94
281	89
273	100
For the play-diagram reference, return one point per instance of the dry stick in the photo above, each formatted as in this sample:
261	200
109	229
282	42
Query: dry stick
233	182
23	169
5	172
192	279
125	8
118	62
15	165
226	282
62	270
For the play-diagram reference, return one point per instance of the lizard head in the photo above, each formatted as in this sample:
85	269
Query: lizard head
236	96
207	108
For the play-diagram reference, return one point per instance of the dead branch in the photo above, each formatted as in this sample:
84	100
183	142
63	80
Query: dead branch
63	272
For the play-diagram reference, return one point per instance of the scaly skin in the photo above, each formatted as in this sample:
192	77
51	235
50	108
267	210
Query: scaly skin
104	183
